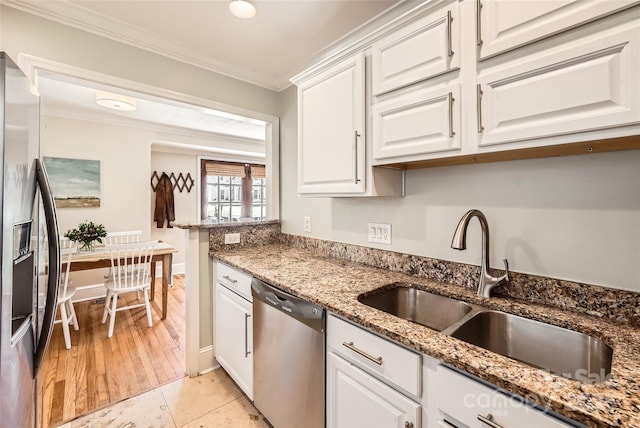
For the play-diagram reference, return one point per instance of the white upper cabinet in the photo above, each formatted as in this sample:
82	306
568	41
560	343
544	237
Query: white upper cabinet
546	77
503	25
331	129
417	51
419	122
581	85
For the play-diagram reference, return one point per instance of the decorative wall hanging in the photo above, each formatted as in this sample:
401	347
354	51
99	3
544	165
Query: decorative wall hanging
75	183
181	182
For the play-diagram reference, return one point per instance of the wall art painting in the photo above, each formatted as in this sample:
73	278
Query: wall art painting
75	183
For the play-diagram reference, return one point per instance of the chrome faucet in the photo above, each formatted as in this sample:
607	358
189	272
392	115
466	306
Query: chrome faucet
459	242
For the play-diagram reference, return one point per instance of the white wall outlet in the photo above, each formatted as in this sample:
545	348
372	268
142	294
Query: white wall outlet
231	238
380	233
307	224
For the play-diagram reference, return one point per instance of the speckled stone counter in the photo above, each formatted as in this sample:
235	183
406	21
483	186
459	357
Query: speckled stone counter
336	284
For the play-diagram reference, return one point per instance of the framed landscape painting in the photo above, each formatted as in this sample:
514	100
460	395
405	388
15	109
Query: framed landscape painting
75	183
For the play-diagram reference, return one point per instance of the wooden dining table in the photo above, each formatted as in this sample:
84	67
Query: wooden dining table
100	258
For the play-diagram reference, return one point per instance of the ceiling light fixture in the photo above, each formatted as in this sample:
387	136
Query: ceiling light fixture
115	101
244	9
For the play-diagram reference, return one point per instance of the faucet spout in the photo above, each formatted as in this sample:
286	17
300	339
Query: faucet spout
459	242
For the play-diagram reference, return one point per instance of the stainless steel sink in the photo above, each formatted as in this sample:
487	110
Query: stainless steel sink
561	351
431	310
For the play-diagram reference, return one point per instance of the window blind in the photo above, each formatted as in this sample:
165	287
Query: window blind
234	169
225	169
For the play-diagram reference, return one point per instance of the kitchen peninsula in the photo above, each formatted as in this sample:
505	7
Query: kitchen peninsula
333	275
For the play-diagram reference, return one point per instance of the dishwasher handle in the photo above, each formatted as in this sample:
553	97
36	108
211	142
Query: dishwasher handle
284	301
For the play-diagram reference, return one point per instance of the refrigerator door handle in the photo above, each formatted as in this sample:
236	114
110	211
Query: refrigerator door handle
53	237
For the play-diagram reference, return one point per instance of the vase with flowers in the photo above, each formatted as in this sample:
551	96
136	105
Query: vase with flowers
86	235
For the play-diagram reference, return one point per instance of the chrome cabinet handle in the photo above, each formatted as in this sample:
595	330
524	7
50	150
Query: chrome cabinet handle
356	180
478	23
231	280
451	100
488	420
479	107
349	345
449	42
246	335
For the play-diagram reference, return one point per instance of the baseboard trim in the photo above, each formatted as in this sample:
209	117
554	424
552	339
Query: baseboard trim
176	269
206	360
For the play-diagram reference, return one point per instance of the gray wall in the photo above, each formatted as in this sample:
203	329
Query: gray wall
574	217
24	33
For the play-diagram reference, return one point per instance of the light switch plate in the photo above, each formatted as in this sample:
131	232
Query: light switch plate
231	238
307	224
379	233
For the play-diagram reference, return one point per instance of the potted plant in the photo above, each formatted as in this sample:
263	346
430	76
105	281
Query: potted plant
86	234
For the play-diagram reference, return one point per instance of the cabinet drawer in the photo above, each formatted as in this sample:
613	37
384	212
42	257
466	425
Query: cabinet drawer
235	280
417	51
382	358
505	25
583	85
462	399
420	122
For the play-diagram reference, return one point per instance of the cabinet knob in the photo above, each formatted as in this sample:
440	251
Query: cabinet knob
408	424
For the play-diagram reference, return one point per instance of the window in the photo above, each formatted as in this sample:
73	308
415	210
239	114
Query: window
233	191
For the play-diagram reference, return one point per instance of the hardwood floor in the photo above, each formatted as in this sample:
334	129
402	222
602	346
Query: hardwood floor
98	371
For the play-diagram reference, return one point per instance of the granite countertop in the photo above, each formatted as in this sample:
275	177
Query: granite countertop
205	224
336	285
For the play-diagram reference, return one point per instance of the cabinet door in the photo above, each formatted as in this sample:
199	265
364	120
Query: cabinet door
331	130
417	123
507	24
355	400
417	51
582	85
234	337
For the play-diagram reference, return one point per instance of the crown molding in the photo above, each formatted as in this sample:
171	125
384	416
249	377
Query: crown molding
364	36
76	16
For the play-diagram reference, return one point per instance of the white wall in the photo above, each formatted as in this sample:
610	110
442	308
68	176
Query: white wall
574	218
124	155
186	203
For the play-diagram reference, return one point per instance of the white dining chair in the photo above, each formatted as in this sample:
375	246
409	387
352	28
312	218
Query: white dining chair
124	237
65	304
130	272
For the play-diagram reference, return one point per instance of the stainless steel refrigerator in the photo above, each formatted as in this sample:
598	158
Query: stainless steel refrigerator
30	260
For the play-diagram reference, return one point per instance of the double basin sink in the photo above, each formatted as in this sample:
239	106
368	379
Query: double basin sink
561	351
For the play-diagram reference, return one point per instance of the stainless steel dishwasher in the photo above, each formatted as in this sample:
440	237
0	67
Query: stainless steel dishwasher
288	358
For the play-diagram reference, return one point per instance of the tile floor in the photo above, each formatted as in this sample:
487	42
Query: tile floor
210	400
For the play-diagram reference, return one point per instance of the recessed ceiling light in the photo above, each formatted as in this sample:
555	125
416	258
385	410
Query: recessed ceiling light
243	9
115	101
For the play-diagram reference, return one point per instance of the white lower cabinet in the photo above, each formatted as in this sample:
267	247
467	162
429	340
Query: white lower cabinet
356	399
233	345
374	382
371	381
463	402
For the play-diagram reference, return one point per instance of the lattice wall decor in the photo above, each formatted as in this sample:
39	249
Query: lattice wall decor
181	182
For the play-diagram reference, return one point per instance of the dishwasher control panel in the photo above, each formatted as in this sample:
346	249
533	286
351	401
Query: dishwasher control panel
285	302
